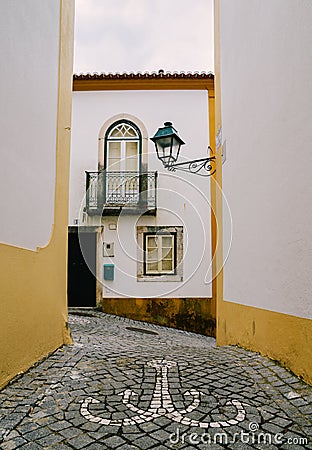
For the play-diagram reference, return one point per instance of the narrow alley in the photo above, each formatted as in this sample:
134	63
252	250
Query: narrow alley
132	385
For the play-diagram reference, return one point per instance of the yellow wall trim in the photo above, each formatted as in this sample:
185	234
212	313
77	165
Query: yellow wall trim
143	84
285	338
216	180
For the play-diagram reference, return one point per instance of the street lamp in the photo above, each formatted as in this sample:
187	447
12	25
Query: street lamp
168	144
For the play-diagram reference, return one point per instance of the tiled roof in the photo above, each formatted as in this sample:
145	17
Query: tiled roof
161	74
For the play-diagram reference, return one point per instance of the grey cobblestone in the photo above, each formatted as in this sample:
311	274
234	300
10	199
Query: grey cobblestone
32	446
37	434
80	441
93	394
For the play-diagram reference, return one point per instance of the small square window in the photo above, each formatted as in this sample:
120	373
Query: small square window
159	251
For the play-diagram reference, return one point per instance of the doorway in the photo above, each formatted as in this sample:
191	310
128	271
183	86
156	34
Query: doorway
81	286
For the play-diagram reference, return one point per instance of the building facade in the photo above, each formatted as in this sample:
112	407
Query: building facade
37	47
263	101
151	228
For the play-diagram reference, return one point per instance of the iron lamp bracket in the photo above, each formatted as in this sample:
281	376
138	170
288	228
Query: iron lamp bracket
204	167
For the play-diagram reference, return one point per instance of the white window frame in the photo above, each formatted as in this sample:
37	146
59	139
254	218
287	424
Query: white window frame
159	253
122	140
124	185
177	274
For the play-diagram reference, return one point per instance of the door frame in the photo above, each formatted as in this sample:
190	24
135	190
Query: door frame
98	231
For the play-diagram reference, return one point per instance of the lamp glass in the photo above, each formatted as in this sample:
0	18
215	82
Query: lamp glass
167	143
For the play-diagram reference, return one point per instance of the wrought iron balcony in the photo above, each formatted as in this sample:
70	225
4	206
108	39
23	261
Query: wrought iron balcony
109	193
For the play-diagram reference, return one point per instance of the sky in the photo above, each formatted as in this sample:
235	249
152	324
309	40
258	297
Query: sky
143	36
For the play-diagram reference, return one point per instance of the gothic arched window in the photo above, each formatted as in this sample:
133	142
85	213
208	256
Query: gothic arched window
123	147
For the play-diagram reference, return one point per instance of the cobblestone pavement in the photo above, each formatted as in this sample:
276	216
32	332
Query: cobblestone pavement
130	385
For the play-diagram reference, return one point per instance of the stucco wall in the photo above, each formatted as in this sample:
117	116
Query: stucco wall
183	199
28	111
35	83
266	93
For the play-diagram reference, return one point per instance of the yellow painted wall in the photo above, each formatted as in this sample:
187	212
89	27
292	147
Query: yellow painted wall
287	339
216	184
191	314
33	316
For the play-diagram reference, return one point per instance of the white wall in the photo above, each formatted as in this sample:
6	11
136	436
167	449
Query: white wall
29	35
183	199
266	83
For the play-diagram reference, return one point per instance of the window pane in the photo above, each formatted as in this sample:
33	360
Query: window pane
152	254
151	249
167	253
151	241
116	133
132	156
167	241
114	150
114	165
163	251
152	267
159	254
123	130
131	149
131	132
166	265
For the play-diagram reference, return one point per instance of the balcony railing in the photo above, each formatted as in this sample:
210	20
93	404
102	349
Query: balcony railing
107	193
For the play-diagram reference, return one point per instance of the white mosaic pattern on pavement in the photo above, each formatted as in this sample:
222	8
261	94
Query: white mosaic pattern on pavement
176	385
161	404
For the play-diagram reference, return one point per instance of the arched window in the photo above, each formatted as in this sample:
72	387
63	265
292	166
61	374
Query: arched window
122	179
123	147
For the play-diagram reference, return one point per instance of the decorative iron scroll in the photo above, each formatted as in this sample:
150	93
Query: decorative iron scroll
205	167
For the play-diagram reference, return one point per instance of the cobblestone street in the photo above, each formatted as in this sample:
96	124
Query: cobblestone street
131	385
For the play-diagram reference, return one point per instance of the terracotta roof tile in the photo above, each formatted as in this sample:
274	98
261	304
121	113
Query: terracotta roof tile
145	75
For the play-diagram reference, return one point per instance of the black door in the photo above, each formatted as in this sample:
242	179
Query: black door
82	269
